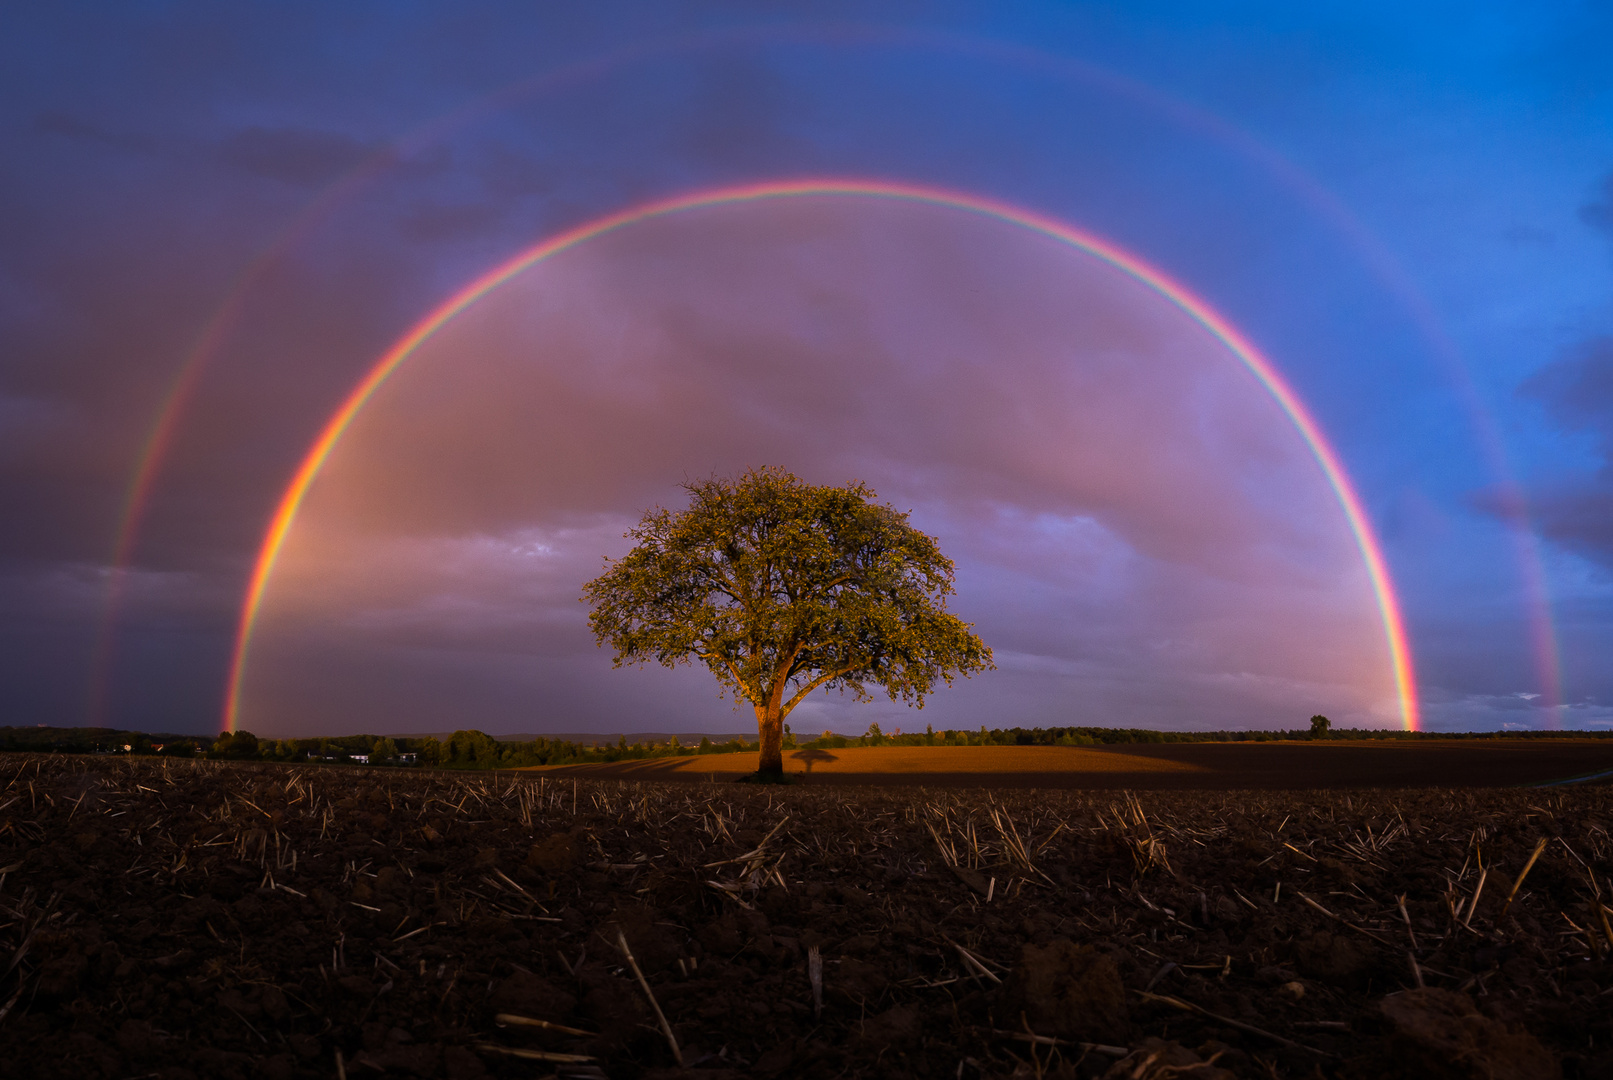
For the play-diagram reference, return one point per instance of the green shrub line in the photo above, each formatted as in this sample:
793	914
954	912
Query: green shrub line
478	750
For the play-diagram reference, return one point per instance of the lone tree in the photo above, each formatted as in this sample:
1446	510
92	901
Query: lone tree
780	587
1320	725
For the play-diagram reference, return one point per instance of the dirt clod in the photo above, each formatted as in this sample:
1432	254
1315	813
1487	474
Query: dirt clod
1441	1035
554	856
1068	990
1334	958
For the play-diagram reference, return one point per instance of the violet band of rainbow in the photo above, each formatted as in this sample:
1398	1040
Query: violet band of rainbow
1200	311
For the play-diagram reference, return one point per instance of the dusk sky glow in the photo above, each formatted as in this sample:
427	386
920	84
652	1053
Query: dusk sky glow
274	440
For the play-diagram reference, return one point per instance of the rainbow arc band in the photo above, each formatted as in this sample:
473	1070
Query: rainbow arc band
1326	457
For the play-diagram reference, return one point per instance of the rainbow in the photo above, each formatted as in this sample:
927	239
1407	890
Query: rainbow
1200	311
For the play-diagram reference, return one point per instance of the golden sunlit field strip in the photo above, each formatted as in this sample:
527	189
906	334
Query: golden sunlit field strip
1178	766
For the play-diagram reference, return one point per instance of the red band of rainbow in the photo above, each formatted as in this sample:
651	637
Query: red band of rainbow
1326	457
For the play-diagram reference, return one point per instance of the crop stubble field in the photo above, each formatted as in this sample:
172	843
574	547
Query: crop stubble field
198	919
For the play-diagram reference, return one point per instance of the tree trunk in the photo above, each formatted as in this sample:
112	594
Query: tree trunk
770	727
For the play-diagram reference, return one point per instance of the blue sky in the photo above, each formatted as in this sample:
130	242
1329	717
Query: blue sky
1408	208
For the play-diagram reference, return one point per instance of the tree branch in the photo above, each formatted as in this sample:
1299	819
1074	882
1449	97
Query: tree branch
833	673
732	670
719	583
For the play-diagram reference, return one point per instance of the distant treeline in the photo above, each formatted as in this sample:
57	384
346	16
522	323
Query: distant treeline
101	740
461	750
477	750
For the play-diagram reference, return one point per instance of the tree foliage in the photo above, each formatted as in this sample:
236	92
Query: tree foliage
781	587
235	746
474	749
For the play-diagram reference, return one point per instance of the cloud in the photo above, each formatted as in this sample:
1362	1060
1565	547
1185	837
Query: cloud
509	174
742	117
1511	712
434	222
1580	518
156	163
67	125
1577	391
1598	214
303	156
1137	526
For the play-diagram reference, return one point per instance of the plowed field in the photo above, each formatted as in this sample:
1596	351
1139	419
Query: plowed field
1308	766
200	920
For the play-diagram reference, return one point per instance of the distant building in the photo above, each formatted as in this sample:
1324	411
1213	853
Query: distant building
408	759
362	759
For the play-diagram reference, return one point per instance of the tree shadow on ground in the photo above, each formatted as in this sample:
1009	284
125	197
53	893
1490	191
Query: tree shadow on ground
809	757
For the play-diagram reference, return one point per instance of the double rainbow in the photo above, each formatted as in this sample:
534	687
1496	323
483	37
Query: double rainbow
1326	457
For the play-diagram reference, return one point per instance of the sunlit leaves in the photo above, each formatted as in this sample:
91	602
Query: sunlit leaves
780	587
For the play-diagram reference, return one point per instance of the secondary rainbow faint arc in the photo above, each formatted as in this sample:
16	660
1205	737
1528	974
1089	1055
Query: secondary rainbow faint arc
1262	368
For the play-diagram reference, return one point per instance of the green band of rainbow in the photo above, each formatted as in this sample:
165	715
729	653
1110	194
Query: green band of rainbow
286	512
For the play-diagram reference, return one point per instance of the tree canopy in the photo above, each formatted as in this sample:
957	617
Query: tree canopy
781	587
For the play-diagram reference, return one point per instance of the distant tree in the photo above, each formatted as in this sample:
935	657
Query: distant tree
237	746
428	750
471	748
1320	726
383	750
781	587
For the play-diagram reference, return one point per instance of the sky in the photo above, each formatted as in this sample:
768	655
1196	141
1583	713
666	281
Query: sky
215	221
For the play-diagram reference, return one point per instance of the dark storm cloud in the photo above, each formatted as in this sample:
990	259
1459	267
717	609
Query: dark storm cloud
118	251
138	228
1580	518
1578	392
166	164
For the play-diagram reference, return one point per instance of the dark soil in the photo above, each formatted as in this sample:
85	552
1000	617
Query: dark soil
184	920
